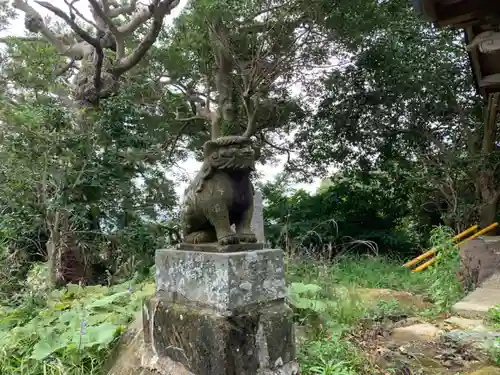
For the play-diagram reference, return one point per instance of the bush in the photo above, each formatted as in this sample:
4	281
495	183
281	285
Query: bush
68	331
353	210
328	307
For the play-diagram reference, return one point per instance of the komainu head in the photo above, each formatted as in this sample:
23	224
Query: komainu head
231	153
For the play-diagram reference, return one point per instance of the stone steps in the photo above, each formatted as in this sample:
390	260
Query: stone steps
476	304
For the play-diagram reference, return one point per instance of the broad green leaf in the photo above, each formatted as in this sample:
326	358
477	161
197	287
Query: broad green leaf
48	345
100	335
109	300
300	288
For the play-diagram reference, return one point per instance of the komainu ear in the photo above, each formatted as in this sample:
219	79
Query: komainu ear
209	147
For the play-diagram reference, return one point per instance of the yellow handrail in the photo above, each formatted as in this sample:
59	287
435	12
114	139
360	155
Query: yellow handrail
477	234
425	265
482	231
433	251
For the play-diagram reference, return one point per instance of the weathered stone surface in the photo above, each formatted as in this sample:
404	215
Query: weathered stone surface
492	282
221	194
464	323
133	356
417	332
224	281
258	217
477	338
480	259
476	304
255	341
216	248
405	299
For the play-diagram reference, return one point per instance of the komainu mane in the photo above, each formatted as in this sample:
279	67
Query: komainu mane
221	194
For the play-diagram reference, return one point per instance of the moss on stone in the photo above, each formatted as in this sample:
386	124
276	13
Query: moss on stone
209	343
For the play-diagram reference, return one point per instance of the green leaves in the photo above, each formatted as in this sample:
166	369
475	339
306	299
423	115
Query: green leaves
73	334
106	301
354	210
262	41
401	89
76	322
100	335
404	97
305	297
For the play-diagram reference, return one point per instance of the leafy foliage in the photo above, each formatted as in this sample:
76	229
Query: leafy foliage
393	108
95	185
405	97
329	307
354	211
331	356
73	329
444	288
304	297
105	165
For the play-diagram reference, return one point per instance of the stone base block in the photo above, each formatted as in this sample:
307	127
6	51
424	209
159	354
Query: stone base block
256	341
214	247
222	281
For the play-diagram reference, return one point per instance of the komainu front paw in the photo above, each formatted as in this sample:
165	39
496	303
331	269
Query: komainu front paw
200	237
247	237
232	239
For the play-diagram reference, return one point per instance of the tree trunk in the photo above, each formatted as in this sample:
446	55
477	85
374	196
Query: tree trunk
488	214
489	199
65	258
52	258
486	181
53	249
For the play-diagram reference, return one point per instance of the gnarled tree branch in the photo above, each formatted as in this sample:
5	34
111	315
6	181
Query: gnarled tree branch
159	10
71	23
34	23
107	35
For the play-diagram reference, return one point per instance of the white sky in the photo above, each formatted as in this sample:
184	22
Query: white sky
189	168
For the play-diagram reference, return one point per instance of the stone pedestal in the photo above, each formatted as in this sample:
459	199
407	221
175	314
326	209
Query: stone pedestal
222	313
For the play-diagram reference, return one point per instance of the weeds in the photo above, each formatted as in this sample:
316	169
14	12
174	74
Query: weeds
326	299
444	288
493	319
70	331
329	355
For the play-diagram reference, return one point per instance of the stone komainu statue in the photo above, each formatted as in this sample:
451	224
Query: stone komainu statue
221	194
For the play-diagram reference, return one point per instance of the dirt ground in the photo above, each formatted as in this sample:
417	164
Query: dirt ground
414	358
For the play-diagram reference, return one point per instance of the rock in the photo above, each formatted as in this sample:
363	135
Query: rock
251	341
224	281
463	323
478	338
487	371
480	258
424	332
220	313
406	322
133	356
258	217
404	298
477	304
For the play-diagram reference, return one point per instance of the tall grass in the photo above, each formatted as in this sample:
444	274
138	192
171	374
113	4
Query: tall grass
338	281
323	349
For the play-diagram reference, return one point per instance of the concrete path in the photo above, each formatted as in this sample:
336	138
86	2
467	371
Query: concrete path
477	303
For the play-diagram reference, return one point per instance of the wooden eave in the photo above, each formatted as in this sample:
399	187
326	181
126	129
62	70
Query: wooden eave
485	66
475	17
459	13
